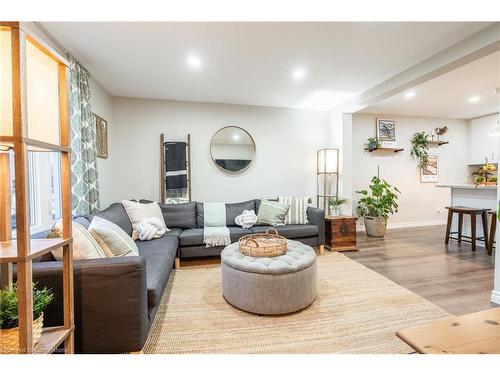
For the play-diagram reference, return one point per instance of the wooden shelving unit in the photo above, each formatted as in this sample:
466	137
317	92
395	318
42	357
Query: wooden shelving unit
387	149
23	250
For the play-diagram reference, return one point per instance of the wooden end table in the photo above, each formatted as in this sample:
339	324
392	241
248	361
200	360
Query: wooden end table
477	333
340	233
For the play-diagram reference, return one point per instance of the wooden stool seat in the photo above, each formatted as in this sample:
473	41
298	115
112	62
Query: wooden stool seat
473	212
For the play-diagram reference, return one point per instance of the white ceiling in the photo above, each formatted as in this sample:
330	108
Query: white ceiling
448	95
251	63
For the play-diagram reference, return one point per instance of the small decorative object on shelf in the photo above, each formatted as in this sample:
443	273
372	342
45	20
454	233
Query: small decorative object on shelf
420	148
263	245
335	204
9	317
373	143
376	205
340	233
440	132
485	175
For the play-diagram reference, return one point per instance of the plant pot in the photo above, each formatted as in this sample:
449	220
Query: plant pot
335	211
375	226
9	338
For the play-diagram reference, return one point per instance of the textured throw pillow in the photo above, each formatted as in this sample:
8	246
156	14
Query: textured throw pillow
297	214
272	213
138	211
84	245
118	242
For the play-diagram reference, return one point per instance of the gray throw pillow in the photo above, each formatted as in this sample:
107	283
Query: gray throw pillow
232	210
181	215
272	213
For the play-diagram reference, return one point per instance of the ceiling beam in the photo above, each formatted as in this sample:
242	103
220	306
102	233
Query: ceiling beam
476	46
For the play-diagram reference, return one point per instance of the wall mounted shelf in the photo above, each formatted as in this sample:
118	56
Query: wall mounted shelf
438	143
391	149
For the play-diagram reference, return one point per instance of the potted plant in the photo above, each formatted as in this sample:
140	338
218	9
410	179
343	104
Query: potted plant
420	148
335	204
479	180
373	143
9	330
376	204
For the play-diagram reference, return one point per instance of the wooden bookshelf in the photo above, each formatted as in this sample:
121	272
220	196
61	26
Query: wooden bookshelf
16	141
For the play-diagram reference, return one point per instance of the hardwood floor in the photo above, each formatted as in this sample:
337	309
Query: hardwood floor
451	276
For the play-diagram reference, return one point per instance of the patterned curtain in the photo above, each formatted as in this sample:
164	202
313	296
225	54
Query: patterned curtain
84	182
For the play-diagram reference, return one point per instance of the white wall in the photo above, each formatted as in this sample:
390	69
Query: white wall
102	105
419	203
285	162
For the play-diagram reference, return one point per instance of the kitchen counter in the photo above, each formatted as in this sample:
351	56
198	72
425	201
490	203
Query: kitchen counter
470	195
468	186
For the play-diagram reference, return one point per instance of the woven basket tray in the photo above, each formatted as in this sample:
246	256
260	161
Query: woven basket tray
9	338
263	245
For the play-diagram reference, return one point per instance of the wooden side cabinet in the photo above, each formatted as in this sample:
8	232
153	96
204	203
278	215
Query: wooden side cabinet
340	233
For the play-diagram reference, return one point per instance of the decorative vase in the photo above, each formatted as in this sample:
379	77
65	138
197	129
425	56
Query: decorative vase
375	226
335	210
9	338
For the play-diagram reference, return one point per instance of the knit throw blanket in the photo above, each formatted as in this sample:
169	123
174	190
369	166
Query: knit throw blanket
215	232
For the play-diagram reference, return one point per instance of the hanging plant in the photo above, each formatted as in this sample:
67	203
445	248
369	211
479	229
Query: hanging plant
420	148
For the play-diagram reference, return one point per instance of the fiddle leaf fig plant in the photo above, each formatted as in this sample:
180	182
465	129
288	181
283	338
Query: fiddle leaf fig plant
420	148
380	201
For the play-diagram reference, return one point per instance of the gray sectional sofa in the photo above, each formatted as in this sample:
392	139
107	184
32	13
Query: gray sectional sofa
116	299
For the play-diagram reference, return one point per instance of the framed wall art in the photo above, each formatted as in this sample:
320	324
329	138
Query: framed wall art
431	171
386	132
101	127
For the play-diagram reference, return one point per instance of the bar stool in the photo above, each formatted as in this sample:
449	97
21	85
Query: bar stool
493	228
473	212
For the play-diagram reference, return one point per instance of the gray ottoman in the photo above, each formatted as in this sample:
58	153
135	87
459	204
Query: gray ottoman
270	286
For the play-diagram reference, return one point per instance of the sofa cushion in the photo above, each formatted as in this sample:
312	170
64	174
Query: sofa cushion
115	238
232	210
116	214
160	255
173	232
272	213
290	231
137	211
179	215
194	237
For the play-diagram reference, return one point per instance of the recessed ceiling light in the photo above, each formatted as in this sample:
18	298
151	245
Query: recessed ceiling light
410	94
474	99
298	74
194	62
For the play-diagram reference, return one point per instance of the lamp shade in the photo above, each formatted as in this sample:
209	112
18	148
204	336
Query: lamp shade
42	81
328	160
6	121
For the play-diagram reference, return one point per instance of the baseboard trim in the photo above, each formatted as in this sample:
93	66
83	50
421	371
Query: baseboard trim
495	296
410	224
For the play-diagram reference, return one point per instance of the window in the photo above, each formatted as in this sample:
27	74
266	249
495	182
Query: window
44	174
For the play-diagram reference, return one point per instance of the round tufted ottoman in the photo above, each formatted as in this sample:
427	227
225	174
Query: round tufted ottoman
270	286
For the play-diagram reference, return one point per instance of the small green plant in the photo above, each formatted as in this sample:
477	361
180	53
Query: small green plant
373	143
337	202
494	179
479	179
420	148
9	314
380	201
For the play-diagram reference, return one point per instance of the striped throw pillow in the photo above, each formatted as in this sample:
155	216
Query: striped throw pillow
297	214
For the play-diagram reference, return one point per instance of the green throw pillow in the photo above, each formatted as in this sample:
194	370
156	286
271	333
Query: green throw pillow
272	213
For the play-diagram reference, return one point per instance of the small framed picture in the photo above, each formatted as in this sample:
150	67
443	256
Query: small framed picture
101	128
430	172
386	132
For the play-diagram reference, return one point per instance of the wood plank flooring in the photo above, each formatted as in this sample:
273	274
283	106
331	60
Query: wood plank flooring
452	276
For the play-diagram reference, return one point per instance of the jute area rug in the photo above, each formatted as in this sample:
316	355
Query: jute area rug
357	311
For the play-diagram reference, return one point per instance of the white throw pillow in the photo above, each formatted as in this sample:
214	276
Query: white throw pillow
138	211
84	245
115	238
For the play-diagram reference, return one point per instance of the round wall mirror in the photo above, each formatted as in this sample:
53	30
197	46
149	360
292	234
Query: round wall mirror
232	149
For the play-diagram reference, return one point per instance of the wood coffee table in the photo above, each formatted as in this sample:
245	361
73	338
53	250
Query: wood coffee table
477	333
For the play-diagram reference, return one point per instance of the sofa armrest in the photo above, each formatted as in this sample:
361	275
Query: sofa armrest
111	307
316	216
